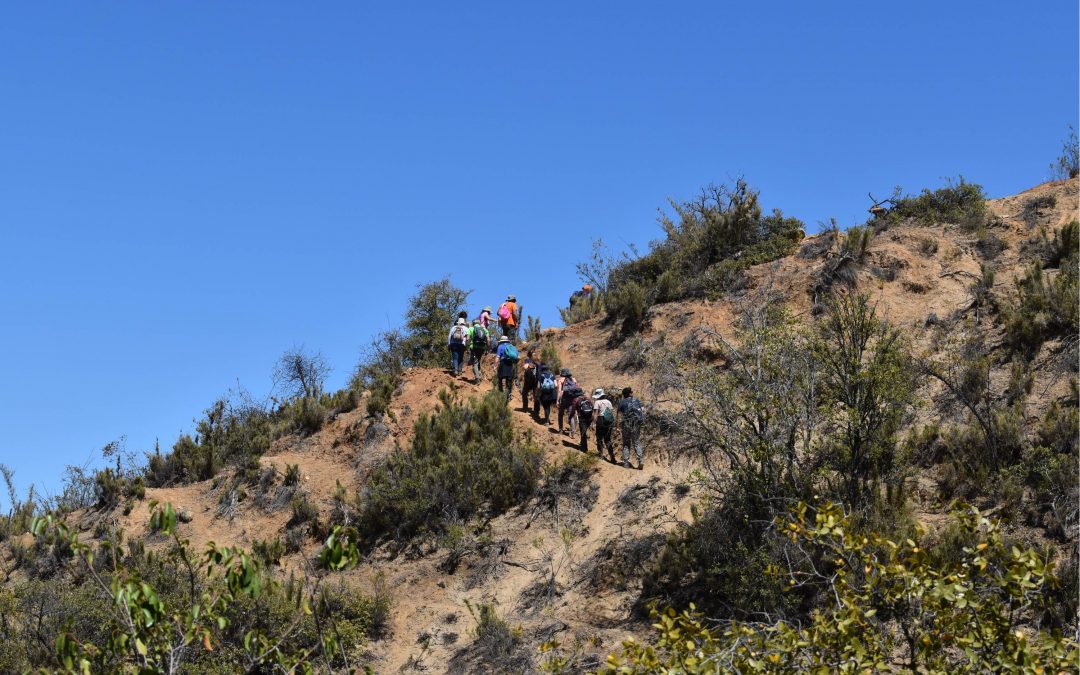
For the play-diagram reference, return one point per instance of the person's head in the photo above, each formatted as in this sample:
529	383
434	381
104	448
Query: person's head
627	392
587	287
476	322
529	354
544	368
598	394
511	298
504	339
488	309
565	372
460	321
463	314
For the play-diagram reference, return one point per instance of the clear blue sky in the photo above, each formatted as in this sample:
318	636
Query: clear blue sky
188	189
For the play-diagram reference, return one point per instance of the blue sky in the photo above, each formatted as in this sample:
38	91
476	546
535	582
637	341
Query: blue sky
188	189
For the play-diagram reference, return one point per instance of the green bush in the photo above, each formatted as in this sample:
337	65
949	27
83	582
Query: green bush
463	461
1067	165
1043	307
709	242
891	608
583	310
960	203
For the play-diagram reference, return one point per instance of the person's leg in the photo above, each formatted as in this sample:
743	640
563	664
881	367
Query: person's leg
524	398
547	412
636	435
476	358
625	445
453	360
561	411
584	437
536	403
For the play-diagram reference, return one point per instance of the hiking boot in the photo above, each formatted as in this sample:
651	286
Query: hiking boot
625	464
641	466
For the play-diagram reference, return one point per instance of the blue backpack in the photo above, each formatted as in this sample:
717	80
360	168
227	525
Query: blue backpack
510	353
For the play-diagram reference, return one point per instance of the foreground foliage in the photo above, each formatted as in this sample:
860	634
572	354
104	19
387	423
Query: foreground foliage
174	612
891	609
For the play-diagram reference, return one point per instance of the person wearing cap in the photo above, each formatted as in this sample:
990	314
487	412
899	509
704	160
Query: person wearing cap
478	346
582	409
584	294
507	355
508	318
458	342
604	413
631	417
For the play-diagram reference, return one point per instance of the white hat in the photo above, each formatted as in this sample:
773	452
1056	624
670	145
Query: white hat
599	393
504	339
460	322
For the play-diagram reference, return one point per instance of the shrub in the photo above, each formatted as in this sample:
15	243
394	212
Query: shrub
960	203
895	610
928	246
463	461
498	645
584	309
1042	308
269	552
1067	164
856	242
1034	205
628	304
709	242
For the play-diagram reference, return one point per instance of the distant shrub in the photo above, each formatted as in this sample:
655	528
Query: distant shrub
499	646
709	242
1043	307
856	242
583	310
269	552
1034	205
1067	164
959	203
464	460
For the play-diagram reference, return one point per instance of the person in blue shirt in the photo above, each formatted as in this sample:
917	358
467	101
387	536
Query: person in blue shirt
508	358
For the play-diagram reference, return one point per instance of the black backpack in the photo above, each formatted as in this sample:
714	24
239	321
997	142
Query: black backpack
635	412
569	393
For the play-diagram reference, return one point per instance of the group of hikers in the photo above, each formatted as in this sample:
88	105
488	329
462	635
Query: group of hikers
577	409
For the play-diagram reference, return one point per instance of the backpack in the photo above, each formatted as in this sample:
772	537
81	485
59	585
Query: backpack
548	384
510	353
504	311
479	338
585	407
460	334
570	392
608	416
634	410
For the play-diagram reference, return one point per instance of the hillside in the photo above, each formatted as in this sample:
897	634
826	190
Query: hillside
571	567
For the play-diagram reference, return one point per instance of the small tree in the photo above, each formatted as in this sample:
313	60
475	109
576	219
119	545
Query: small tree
431	312
299	374
1068	164
867	388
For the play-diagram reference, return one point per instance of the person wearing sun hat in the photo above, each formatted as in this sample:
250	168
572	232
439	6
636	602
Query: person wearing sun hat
508	318
458	342
508	358
604	414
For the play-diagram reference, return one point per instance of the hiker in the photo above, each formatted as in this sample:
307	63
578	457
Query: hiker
508	358
583	410
463	315
488	323
458	341
604	411
584	294
631	416
478	346
528	382
508	318
547	391
568	391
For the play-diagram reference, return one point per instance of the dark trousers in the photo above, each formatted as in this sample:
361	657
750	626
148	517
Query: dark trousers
583	429
603	439
547	411
509	381
528	388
